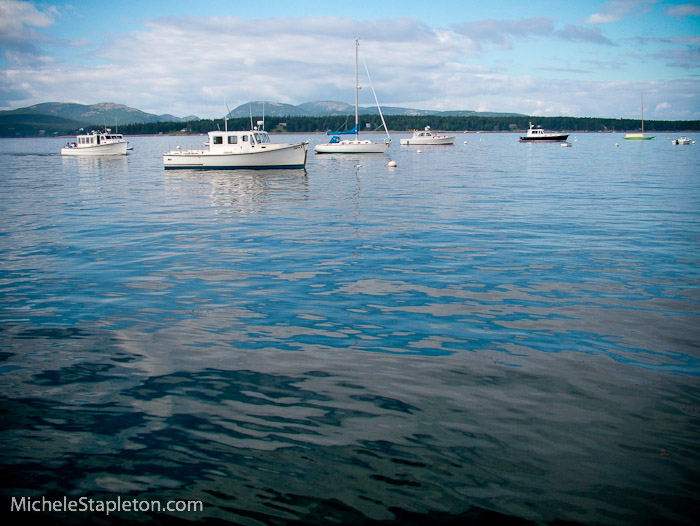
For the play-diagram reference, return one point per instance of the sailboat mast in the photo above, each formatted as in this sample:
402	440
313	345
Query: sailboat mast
357	90
642	114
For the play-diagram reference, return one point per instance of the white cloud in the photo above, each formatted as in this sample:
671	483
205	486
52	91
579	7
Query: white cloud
683	10
17	20
620	9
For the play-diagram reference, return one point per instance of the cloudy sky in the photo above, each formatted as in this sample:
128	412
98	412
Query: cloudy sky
583	59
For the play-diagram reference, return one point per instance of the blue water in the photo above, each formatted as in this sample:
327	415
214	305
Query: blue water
489	331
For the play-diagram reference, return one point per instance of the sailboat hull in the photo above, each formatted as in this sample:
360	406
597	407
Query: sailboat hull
352	147
638	137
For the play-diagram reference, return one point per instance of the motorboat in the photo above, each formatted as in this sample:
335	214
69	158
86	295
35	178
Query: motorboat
683	140
239	149
356	145
427	137
539	135
97	143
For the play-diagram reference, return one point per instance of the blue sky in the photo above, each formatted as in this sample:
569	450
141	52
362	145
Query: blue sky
584	59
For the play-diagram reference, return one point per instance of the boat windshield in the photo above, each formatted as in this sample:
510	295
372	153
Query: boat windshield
262	137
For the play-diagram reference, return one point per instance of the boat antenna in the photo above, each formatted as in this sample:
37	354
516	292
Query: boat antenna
376	100
250	110
226	116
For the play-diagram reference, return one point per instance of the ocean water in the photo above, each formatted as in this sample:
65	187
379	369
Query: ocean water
490	331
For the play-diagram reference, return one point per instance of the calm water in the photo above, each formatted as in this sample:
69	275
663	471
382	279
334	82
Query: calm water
492	329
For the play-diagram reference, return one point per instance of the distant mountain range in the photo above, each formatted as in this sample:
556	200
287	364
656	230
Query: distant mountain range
330	108
65	118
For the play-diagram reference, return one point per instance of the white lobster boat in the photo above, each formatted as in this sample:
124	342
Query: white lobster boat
426	137
239	149
97	143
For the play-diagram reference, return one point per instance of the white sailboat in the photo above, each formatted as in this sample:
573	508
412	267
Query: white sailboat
356	145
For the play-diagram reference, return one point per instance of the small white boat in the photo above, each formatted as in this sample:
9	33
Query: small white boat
97	143
683	140
426	137
539	135
338	145
239	149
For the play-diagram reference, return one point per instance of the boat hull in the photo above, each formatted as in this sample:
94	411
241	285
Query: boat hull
446	140
545	138
286	156
352	147
116	148
638	137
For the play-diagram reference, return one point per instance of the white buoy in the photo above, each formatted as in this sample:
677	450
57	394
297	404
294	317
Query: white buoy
392	164
465	142
418	151
617	145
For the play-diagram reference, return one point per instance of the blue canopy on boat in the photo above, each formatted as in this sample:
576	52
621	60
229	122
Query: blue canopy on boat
354	131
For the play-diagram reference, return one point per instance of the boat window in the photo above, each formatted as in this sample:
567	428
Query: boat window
232	139
252	139
218	139
244	138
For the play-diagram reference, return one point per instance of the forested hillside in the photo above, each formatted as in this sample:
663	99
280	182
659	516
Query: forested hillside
408	123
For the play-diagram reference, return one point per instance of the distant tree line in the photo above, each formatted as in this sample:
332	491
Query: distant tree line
413	122
37	125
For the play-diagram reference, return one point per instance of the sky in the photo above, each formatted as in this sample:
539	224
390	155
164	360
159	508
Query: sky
544	58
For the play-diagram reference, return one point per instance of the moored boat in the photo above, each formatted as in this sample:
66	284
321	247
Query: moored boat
683	140
97	143
539	135
639	136
427	137
239	149
356	145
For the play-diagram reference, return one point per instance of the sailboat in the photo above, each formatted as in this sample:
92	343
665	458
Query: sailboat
639	136
356	145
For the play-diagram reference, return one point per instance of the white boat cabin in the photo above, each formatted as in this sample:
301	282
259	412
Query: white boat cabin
231	141
535	132
97	138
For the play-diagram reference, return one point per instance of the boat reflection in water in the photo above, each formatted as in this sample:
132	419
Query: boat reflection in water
241	191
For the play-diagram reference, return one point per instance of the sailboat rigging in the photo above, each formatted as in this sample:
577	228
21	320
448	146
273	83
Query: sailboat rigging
356	145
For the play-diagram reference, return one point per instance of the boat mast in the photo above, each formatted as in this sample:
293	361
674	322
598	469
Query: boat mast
357	90
642	114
